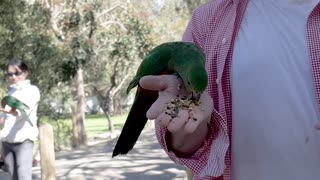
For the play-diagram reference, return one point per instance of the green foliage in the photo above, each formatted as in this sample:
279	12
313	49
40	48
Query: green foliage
77	23
122	40
169	18
10	28
62	131
133	45
56	104
193	4
23	33
107	46
44	58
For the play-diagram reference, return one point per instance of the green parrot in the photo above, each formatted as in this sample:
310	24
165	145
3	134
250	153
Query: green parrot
15	103
184	59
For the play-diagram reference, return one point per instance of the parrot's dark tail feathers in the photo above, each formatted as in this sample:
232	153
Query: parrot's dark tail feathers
132	84
122	149
117	152
129	136
135	122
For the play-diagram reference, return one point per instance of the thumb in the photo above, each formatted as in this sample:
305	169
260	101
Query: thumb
155	83
167	87
317	126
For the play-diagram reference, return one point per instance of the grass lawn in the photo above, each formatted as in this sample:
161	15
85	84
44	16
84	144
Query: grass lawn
97	124
94	125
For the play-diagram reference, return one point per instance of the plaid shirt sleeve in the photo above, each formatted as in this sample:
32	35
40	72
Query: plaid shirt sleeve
199	159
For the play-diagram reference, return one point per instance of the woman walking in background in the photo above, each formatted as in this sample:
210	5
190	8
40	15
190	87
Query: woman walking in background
17	135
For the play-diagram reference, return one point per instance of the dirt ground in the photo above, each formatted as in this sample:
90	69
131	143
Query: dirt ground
147	161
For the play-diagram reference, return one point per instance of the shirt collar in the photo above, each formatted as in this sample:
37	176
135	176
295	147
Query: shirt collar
20	84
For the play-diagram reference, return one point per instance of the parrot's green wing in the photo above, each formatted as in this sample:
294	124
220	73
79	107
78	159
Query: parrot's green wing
155	63
189	62
16	103
13	102
181	58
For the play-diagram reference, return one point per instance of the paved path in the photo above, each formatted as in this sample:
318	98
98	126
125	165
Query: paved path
147	161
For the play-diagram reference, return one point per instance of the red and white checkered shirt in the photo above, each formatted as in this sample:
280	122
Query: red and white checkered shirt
214	27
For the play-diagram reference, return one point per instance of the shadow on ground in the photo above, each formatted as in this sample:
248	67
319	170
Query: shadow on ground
147	161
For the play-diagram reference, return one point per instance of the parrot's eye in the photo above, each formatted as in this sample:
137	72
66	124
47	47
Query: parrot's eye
188	83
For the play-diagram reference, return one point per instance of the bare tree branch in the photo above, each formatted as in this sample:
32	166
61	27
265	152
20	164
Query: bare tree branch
108	23
109	10
53	22
124	79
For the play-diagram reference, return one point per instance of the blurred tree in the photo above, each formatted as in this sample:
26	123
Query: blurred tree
81	46
122	40
105	44
169	18
193	4
73	24
23	34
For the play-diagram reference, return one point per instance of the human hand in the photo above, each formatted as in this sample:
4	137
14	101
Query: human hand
183	120
12	111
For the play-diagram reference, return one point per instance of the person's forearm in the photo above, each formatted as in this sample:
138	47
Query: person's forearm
2	120
183	144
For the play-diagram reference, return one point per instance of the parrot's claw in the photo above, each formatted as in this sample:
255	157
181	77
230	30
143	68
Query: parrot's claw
195	97
179	87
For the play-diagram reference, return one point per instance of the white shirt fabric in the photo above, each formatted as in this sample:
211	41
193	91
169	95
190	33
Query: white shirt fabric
274	107
16	129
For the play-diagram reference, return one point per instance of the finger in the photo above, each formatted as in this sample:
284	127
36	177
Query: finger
164	119
206	106
156	83
158	106
196	116
200	113
178	122
191	126
169	83
165	96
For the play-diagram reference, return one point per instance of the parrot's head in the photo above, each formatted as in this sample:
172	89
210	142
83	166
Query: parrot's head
195	81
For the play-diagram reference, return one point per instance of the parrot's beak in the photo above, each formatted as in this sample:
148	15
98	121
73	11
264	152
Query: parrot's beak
196	98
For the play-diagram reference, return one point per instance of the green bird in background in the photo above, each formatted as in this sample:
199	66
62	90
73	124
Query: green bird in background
16	104
184	59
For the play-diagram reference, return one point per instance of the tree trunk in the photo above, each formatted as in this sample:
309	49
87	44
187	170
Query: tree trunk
117	105
75	137
104	105
110	124
80	118
108	109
